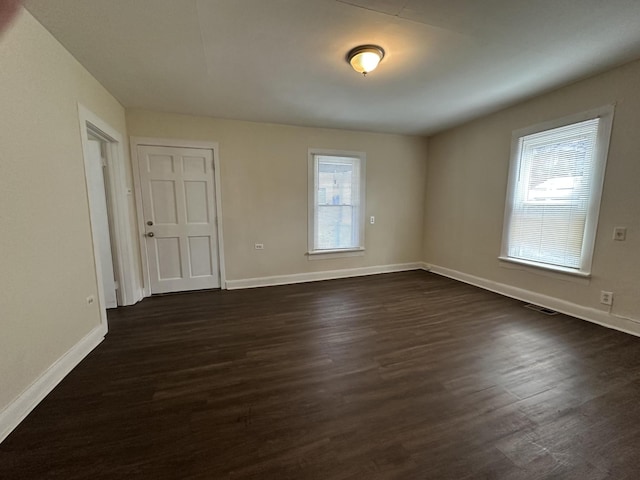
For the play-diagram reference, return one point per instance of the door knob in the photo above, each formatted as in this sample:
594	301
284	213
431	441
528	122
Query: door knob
150	234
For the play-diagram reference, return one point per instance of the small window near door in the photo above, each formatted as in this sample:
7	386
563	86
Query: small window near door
336	202
553	199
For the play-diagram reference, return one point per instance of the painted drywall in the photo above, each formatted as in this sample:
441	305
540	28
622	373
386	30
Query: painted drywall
46	252
264	191
466	189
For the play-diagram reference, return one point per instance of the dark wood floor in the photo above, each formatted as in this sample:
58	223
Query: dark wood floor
398	376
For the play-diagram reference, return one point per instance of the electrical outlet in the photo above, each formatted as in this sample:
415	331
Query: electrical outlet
620	234
259	246
90	299
606	298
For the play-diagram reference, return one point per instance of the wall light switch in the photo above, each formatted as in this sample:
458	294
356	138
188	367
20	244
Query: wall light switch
620	234
372	219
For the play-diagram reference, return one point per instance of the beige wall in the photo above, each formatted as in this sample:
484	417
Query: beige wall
46	255
264	190
466	188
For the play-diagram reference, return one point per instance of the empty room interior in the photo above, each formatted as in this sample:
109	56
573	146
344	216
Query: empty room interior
323	239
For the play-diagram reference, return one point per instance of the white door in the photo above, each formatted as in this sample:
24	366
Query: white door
100	215
178	202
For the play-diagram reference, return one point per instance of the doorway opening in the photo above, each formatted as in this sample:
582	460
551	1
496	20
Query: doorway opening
108	197
102	213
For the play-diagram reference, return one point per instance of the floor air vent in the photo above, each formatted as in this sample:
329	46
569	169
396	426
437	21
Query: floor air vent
538	308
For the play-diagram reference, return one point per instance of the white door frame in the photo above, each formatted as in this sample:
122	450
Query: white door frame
135	142
129	289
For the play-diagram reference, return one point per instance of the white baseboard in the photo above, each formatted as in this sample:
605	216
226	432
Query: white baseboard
140	295
425	266
606	319
317	276
18	410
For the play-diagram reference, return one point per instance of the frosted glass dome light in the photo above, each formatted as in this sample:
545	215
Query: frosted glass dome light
365	58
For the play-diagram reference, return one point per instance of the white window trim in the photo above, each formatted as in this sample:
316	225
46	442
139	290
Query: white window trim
313	254
545	266
588	245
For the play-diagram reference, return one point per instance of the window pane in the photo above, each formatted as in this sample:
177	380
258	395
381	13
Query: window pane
548	237
337	196
335	181
336	227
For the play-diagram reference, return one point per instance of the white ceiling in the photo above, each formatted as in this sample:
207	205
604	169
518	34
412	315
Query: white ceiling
283	61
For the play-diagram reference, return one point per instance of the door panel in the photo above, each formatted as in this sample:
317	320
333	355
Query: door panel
196	198
168	251
178	200
200	256
163	202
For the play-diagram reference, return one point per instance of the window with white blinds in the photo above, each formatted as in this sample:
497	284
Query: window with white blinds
555	184
336	201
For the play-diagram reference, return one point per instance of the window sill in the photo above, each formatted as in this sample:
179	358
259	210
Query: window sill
337	253
546	267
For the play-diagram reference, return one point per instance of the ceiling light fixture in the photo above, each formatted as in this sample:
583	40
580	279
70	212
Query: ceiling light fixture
365	58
